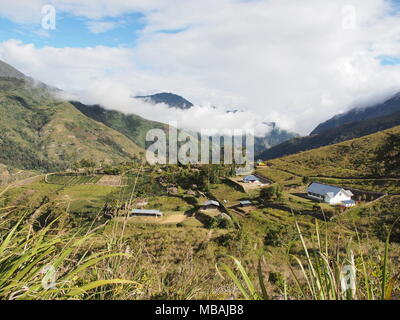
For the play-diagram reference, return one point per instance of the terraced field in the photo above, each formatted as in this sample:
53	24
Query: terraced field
107	180
66	180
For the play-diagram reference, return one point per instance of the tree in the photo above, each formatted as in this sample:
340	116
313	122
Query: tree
268	193
306	180
279	192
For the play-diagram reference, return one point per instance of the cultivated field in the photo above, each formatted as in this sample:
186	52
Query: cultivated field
71	180
113	181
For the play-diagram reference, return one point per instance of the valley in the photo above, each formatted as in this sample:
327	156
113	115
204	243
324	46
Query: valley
189	237
77	193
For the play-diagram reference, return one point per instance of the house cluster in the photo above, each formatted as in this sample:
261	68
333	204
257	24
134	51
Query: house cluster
215	205
331	194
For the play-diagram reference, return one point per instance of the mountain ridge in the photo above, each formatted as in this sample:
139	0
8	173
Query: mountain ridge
331	136
170	99
387	107
41	132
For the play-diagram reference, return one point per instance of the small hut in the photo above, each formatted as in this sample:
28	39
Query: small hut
251	179
147	213
211	205
245	203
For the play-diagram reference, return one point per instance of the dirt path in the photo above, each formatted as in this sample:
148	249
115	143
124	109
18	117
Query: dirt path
26	181
21	183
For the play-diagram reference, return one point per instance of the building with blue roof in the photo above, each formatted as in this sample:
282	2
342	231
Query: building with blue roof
251	179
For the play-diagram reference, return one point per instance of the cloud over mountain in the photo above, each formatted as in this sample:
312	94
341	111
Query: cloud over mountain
293	63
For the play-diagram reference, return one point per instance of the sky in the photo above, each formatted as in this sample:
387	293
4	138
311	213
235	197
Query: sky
296	63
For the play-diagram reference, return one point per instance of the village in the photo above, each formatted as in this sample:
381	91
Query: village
205	196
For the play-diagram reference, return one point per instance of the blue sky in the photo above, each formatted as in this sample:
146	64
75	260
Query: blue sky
285	61
73	31
389	60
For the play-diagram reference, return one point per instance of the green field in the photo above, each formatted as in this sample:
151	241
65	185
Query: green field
279	175
71	180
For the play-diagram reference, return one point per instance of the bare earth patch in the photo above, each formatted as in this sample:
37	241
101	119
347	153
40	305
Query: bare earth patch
170	219
173	219
112	181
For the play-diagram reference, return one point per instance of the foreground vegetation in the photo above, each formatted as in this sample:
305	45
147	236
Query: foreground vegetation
82	229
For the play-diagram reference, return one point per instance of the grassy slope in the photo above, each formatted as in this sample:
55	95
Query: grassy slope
40	132
353	158
332	136
132	126
8	174
179	262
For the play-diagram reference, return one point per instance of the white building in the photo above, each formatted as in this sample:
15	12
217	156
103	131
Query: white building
330	194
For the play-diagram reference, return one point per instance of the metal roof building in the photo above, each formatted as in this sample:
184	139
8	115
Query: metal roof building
330	194
250	178
142	212
324	189
245	203
211	203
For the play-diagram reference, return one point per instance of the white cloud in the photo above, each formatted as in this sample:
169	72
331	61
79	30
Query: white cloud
29	11
101	26
284	61
22	11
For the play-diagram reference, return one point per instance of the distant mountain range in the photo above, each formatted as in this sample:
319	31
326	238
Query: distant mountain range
42	132
170	99
272	138
388	107
353	124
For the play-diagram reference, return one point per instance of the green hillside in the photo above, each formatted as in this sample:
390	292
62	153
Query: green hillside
354	158
132	126
369	163
333	135
385	108
42	132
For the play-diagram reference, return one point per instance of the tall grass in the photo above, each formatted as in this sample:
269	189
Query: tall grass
39	265
325	274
